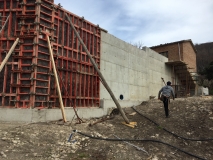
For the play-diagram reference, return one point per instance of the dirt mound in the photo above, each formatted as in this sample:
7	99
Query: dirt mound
189	129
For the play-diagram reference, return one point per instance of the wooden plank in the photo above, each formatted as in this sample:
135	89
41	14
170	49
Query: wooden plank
56	79
131	124
8	54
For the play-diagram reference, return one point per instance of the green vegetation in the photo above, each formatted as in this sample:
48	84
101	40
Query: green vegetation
210	91
206	78
208	71
78	156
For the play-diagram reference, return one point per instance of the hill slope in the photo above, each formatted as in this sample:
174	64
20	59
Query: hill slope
191	118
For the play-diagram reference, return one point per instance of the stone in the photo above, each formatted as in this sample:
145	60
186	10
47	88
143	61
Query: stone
14	141
4	138
155	158
35	154
3	154
55	155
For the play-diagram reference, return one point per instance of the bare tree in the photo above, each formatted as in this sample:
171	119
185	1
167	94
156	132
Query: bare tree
139	44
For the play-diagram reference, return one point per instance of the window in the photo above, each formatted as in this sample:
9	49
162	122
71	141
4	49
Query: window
165	54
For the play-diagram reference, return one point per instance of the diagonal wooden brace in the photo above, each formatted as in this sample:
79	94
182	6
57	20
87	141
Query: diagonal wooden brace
56	79
8	54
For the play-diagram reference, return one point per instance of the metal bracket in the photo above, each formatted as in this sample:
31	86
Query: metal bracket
36	23
20	42
3	94
50	101
34	43
34	65
32	93
15	101
53	29
22	3
52	39
21	24
54	7
50	74
4	51
38	3
60	6
32	79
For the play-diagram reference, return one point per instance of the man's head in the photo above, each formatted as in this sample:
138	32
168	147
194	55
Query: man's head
169	83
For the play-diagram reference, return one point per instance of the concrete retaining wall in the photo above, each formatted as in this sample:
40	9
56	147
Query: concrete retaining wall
131	72
44	115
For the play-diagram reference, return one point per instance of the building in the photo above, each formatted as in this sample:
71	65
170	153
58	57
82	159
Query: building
182	58
28	87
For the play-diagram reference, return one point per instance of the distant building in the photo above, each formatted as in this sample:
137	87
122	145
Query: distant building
182	57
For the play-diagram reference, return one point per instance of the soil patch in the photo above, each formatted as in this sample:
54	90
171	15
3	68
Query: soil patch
190	118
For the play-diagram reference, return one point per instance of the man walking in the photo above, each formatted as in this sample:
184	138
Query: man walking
165	94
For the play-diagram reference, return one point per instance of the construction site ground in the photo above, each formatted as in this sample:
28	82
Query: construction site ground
190	117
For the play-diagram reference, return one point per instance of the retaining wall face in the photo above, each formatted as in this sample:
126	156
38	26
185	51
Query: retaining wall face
131	72
27	80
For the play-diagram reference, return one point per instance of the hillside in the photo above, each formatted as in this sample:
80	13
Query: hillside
204	54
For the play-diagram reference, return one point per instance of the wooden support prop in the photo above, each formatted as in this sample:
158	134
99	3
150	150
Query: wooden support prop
163	80
56	79
99	73
8	54
100	120
131	124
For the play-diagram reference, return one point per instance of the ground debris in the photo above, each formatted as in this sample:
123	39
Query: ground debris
189	117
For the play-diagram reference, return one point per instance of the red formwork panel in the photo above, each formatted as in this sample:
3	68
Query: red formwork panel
27	80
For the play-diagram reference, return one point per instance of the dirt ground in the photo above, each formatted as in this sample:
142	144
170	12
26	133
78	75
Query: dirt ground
191	118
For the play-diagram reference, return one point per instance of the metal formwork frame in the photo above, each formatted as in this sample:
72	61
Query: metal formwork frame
27	79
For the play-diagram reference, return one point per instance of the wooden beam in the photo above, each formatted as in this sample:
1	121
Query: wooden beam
99	73
8	54
176	63
56	79
4	24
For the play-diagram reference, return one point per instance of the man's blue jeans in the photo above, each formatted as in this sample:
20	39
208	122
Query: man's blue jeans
166	103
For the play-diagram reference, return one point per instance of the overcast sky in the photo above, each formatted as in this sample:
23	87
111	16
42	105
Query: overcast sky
151	22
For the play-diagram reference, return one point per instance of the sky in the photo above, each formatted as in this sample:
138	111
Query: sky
148	22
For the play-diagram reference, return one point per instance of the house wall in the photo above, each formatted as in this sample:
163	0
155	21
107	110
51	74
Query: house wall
189	56
187	53
173	51
131	72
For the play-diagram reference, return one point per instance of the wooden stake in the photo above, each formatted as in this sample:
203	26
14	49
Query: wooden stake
8	54
99	73
56	79
4	24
